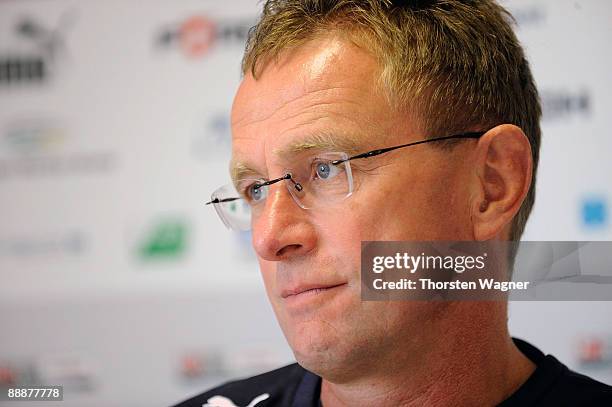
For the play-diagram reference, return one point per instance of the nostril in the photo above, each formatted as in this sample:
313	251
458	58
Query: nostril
289	248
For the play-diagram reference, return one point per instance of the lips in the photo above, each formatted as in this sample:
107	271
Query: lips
308	289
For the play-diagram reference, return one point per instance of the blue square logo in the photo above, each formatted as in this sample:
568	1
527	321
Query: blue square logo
594	212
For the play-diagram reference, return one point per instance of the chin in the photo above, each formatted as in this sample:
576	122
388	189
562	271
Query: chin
323	350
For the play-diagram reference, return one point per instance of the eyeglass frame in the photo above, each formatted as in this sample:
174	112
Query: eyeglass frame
368	154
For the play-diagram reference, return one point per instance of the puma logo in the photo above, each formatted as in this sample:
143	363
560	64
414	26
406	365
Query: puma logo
220	401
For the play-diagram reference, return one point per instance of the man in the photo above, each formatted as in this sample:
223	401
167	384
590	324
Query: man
326	81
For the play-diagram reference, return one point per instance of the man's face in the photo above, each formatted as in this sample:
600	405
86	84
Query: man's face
310	258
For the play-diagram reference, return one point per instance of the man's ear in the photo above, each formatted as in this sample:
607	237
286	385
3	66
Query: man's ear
503	170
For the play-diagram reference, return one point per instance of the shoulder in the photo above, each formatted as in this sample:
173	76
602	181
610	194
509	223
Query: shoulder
554	384
582	390
273	388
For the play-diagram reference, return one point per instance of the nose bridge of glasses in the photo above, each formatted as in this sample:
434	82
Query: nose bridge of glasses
296	189
276	186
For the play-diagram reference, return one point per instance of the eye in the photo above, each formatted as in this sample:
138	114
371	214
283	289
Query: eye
256	192
252	192
325	170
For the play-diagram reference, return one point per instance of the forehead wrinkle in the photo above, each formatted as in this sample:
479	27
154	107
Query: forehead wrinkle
252	117
323	110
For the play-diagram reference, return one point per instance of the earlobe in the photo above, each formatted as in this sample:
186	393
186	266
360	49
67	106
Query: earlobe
503	168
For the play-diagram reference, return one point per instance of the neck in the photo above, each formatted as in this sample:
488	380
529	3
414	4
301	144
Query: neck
479	365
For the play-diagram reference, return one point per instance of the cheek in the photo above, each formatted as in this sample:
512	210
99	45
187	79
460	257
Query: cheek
392	214
428	205
447	207
267	269
338	233
268	274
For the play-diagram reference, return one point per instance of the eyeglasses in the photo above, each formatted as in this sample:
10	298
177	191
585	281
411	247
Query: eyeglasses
319	183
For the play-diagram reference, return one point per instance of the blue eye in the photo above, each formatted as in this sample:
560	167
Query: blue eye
325	170
256	192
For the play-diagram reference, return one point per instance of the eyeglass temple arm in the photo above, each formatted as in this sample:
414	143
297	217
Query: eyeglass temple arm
217	200
373	153
298	186
368	154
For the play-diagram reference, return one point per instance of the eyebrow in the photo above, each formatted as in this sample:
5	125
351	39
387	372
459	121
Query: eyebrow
241	170
322	141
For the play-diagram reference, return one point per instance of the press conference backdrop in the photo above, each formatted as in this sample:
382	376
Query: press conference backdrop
116	281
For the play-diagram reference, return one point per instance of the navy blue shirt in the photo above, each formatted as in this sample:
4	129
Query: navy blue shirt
551	384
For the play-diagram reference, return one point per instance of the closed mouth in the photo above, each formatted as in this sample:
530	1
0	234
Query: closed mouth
308	290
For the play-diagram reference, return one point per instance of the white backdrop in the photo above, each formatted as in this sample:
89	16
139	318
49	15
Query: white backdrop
118	283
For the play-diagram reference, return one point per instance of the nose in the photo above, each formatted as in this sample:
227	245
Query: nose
282	230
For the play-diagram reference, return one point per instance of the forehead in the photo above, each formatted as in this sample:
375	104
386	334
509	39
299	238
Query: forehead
319	65
324	87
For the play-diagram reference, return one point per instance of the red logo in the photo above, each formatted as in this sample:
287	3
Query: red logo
591	350
196	35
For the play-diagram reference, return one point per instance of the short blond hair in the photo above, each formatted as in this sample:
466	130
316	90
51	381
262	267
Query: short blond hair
457	64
